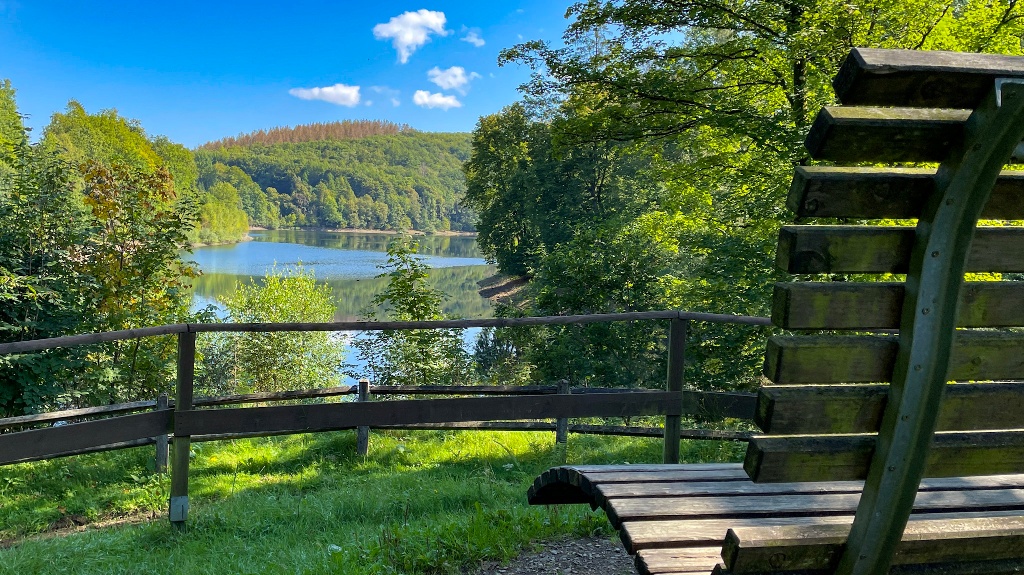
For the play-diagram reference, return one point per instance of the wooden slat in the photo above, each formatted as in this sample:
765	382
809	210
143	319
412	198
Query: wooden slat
37	418
70	439
579	484
657	468
977	356
771	506
864	305
878	193
932	79
685	560
324	417
662	534
817	547
809	409
794	458
868	134
611	493
886	249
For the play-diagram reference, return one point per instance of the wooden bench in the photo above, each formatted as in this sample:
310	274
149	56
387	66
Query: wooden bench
854	417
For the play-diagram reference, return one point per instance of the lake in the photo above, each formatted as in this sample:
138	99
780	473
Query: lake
348	262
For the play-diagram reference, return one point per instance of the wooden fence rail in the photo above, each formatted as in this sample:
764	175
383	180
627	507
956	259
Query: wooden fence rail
206	419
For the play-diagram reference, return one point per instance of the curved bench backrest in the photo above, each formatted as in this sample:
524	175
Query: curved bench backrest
965	111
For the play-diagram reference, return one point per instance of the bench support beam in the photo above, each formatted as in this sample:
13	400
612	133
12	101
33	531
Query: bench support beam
943	238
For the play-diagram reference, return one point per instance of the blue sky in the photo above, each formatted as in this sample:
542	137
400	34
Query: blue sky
198	71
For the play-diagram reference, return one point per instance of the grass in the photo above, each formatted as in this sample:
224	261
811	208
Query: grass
420	502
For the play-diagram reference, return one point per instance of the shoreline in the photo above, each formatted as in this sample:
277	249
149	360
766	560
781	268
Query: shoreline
444	233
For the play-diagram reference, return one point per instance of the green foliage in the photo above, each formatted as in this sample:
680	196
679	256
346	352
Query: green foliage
409	180
688	119
103	137
42	294
256	204
88	248
410	357
254	362
222	219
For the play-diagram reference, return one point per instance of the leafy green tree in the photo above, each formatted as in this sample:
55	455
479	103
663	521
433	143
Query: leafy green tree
410	357
254	362
86	248
139	228
221	218
699	110
42	294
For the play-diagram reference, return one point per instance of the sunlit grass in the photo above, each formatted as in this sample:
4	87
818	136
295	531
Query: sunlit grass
420	502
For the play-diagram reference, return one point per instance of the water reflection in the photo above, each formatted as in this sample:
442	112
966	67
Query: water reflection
348	263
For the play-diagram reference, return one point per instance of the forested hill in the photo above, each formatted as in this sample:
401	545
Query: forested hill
343	130
402	180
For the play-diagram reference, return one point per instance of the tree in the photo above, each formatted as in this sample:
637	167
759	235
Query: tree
89	247
255	361
699	110
139	227
410	357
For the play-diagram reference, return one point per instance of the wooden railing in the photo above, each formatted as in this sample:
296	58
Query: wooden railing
189	419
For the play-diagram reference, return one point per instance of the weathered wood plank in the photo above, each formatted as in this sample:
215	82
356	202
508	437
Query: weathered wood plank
817	547
324	417
864	305
976	356
76	437
274	396
560	484
684	560
657	467
615	491
885	135
809	409
932	79
658	534
878	193
886	249
794	458
25	420
771	506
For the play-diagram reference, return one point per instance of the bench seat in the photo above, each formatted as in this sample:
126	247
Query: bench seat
674	518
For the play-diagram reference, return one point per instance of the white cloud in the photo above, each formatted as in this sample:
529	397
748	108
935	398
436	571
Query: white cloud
473	37
340	94
410	30
425	99
454	78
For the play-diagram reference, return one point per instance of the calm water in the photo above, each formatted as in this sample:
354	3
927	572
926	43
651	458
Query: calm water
348	262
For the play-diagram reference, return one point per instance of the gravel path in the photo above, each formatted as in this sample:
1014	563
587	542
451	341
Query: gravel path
589	556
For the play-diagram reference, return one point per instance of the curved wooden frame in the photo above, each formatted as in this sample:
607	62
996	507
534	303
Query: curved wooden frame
942	243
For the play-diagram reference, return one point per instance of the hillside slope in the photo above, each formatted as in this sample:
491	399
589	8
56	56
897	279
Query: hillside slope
402	180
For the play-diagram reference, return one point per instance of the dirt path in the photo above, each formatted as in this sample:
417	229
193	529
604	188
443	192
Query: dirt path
589	556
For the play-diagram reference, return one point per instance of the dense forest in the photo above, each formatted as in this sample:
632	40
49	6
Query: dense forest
334	176
95	214
647	163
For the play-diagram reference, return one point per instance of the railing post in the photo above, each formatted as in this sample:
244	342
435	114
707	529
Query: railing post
674	382
562	423
363	431
182	443
161	440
